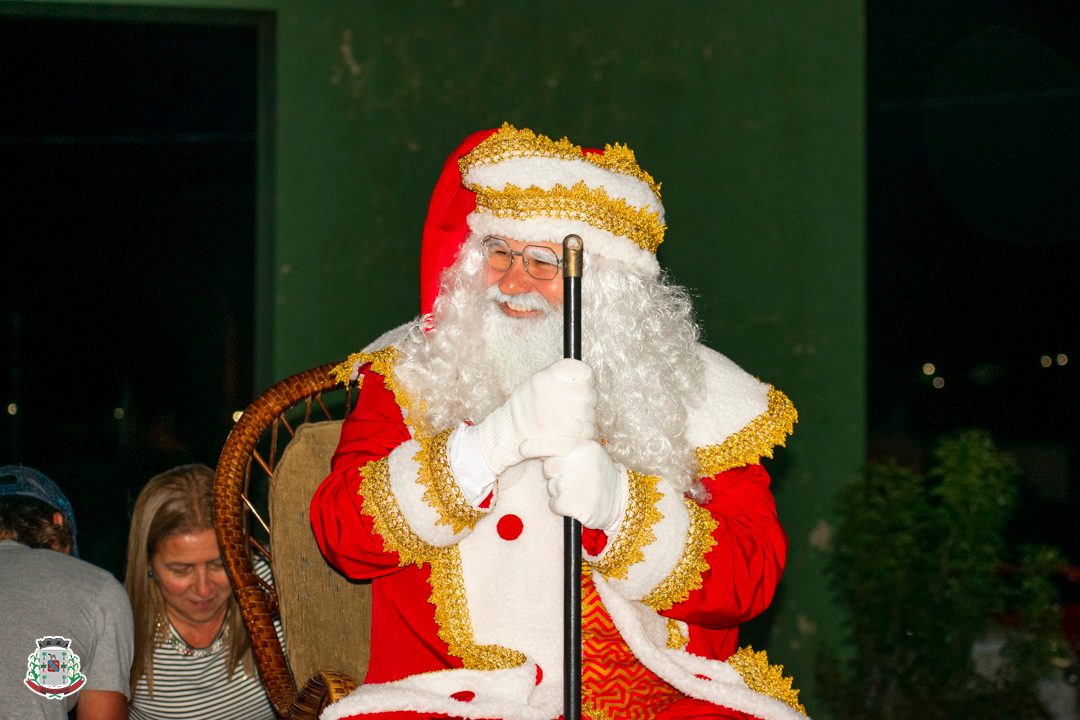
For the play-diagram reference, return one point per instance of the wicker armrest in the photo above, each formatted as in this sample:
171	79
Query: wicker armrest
321	689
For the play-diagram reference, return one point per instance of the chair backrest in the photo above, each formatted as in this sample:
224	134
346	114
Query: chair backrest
261	466
325	617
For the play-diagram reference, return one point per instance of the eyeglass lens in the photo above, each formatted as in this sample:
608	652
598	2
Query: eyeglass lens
540	262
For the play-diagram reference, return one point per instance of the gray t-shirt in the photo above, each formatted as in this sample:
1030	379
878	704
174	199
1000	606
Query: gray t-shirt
47	595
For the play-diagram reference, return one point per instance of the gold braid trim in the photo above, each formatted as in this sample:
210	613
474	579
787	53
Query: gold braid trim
509	142
764	678
580	202
390	522
342	372
452	616
447	586
382	361
442	492
636	531
589	709
676	638
755	441
686	577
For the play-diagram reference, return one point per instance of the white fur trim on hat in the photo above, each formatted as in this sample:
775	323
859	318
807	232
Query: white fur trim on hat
546	172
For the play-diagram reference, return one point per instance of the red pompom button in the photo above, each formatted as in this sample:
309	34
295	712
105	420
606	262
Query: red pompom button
509	527
464	695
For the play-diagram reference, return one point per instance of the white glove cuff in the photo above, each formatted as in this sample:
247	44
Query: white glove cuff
470	470
622	500
498	440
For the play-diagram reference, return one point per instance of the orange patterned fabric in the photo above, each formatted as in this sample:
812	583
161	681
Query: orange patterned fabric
614	683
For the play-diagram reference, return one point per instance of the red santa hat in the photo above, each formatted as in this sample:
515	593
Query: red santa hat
517	184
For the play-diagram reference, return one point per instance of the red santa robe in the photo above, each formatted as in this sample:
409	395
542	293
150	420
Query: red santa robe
467	602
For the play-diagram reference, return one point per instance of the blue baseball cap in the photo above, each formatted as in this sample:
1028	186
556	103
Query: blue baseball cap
20	480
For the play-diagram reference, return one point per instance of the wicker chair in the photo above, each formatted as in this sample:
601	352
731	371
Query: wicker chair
265	479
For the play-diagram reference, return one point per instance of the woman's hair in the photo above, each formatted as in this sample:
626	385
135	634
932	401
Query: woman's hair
178	501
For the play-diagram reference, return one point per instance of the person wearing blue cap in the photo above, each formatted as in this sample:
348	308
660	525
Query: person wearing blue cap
67	633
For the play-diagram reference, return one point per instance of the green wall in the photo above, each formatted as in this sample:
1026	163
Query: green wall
750	113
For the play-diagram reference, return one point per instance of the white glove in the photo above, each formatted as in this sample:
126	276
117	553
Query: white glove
558	401
583	481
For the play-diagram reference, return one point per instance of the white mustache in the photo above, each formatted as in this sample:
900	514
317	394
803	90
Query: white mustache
522	301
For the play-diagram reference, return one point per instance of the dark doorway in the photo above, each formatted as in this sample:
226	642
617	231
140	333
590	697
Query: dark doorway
129	154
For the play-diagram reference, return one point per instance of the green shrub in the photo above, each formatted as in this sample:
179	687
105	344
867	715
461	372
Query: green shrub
920	564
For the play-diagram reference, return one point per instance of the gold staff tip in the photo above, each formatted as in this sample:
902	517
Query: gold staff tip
573	249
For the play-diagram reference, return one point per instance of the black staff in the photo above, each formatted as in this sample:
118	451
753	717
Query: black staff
573	248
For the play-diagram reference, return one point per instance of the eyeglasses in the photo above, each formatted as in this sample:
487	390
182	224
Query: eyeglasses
540	263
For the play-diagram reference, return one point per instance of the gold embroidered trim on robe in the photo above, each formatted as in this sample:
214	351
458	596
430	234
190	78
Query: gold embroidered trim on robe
764	678
443	492
636	531
754	441
686	577
380	504
382	362
676	638
447	585
452	616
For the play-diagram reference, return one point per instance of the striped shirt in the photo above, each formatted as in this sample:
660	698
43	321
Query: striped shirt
195	687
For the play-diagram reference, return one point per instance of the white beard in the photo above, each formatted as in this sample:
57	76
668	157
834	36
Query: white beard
639	337
519	347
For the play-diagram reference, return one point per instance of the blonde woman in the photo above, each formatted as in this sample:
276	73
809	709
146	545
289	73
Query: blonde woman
192	653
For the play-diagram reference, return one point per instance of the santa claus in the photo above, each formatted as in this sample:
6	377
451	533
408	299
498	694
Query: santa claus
472	440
